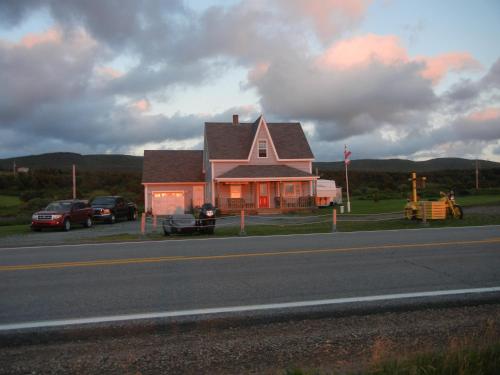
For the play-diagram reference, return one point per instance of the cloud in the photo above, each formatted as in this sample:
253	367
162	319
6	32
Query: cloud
52	35
329	18
364	50
64	86
437	67
364	93
44	68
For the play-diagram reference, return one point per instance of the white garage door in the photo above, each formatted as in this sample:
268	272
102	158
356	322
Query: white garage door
168	203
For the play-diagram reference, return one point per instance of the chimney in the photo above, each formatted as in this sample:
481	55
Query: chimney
236	120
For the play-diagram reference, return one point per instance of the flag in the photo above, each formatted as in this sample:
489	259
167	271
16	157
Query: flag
347	153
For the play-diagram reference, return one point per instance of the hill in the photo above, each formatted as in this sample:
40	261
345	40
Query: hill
128	163
401	165
65	160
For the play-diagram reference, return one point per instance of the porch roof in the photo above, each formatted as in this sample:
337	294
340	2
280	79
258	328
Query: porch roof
274	172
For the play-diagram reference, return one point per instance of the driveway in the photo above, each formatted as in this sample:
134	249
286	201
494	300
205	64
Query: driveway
76	234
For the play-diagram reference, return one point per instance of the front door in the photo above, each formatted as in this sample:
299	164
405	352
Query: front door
264	195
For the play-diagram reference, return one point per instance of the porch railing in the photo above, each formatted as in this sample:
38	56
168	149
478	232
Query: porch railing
294	202
279	202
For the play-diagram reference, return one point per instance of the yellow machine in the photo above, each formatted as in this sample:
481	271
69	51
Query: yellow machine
431	210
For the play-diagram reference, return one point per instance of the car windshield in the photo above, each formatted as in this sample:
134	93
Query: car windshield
59	207
103	200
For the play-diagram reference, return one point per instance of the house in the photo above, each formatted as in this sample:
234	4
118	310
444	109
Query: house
255	166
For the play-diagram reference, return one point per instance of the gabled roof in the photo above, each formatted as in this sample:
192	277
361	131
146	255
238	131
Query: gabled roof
172	166
264	171
226	141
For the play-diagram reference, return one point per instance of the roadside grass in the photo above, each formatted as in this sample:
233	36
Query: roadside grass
473	360
9	230
283	229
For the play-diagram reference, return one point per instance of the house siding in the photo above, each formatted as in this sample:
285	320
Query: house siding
262	134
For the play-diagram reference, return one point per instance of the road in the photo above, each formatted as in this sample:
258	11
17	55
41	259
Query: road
71	282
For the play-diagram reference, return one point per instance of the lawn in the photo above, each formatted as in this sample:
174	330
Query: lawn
9	201
359	206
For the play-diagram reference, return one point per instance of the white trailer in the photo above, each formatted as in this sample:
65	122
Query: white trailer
327	193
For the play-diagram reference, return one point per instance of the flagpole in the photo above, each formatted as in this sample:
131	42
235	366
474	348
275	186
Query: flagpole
347	187
347	153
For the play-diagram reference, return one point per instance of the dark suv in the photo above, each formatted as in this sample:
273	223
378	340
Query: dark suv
112	208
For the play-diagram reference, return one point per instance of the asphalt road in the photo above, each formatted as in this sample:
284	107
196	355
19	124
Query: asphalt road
85	281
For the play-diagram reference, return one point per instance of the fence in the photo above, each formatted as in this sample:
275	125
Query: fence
243	221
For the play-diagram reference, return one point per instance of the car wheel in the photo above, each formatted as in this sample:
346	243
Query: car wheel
67	225
166	232
88	223
36	229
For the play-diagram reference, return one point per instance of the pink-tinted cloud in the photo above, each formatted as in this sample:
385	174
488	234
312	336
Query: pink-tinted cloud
258	71
109	72
329	17
142	105
485	115
363	50
52	35
437	67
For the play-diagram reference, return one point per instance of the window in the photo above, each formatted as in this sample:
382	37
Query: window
263	149
291	189
235	191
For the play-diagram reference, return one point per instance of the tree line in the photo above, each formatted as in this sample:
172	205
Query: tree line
57	183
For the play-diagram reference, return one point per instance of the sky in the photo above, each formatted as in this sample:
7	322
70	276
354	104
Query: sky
388	78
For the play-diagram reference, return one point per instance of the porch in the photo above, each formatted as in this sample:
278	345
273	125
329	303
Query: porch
264	196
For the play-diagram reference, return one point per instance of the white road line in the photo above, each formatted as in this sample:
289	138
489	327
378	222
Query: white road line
243	237
236	309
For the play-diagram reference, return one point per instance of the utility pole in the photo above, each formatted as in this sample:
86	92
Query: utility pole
74	182
14	169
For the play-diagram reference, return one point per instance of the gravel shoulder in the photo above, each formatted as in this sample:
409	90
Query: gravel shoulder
326	344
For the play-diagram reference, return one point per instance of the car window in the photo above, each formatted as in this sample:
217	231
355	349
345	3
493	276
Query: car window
59	207
103	200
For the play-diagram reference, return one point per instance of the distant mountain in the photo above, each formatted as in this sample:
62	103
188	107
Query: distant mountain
128	163
65	160
401	165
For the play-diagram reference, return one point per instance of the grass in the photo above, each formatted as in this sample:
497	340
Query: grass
9	230
484	360
9	201
470	361
360	206
326	227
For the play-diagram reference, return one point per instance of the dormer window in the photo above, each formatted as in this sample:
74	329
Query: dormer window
263	149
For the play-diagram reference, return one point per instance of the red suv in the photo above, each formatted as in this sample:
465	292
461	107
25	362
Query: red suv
63	214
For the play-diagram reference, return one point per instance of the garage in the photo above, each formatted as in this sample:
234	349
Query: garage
168	202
